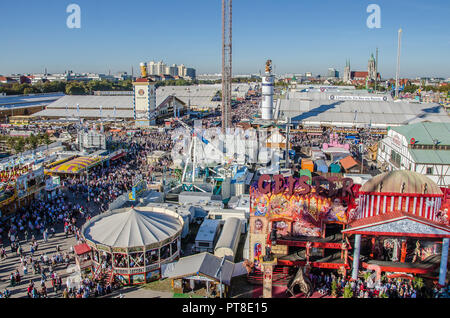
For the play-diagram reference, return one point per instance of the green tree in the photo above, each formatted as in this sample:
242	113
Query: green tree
33	141
47	140
19	145
10	141
28	90
76	88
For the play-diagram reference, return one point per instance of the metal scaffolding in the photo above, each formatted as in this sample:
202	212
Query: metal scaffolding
226	63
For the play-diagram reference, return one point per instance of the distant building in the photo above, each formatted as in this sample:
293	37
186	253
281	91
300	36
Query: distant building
172	70
91	140
361	77
7	80
182	70
160	68
190	73
332	73
347	72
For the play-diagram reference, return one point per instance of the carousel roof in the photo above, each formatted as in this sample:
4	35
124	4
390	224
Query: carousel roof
132	227
401	181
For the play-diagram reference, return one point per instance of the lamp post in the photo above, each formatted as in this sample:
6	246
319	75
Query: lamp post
219	272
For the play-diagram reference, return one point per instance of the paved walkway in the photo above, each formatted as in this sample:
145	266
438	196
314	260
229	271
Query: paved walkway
12	263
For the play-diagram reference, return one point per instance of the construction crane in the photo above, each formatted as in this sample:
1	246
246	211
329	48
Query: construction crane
226	63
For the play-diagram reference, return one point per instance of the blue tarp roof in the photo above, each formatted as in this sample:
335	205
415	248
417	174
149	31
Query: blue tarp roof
321	166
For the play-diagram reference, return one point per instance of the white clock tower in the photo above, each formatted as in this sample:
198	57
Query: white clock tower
144	102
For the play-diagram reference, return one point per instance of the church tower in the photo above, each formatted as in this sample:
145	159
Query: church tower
372	69
347	72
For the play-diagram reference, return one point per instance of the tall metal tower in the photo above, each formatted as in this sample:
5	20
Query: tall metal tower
398	61
226	63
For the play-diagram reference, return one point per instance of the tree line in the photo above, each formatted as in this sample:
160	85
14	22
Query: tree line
19	144
88	88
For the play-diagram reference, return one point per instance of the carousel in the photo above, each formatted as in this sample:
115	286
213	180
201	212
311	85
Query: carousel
130	245
400	227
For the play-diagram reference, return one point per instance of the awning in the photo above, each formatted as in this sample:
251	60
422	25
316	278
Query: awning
76	165
348	162
81	249
118	155
321	166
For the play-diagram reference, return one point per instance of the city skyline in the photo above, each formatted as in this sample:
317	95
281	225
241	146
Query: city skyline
301	37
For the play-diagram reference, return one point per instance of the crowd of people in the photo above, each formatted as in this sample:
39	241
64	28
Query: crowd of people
88	288
367	286
42	218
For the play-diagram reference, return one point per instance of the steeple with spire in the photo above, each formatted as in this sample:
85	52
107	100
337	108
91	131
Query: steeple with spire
347	72
371	69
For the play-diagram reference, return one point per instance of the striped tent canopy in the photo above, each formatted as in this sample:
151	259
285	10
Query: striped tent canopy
76	165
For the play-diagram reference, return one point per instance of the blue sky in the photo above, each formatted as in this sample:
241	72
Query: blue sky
299	36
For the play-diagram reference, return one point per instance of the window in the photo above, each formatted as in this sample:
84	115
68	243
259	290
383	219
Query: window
174	246
217	217
203	244
429	170
165	252
395	158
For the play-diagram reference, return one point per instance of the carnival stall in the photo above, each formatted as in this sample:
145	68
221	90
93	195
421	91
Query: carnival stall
131	244
399	226
83	257
75	166
293	218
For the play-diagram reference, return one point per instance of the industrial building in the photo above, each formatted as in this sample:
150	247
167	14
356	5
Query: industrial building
25	105
119	106
420	147
106	107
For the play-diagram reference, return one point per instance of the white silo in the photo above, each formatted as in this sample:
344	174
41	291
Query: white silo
267	93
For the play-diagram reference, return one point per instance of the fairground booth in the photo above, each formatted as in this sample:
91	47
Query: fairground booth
19	185
399	227
133	243
299	221
74	165
200	271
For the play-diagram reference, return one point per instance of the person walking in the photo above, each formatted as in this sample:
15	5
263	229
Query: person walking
45	235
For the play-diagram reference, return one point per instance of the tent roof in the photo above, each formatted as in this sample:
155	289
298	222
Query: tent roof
132	227
348	162
75	165
401	181
203	263
81	249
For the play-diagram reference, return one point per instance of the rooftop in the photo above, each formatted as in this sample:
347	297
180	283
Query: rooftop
401	181
426	133
357	109
207	230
